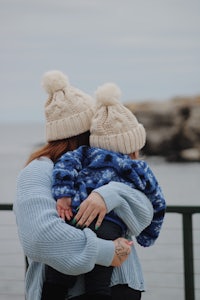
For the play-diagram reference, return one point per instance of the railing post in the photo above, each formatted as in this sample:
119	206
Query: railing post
188	256
187	213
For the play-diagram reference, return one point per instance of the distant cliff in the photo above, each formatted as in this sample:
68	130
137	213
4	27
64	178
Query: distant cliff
173	127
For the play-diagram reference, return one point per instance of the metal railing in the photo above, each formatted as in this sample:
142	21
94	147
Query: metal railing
188	252
187	232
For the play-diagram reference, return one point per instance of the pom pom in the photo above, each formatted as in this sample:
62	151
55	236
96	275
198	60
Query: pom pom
108	94
53	81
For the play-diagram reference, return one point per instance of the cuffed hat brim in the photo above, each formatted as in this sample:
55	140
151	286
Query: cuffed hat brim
125	142
69	127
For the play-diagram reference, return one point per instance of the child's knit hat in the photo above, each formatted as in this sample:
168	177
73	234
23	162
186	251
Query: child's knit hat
68	110
114	127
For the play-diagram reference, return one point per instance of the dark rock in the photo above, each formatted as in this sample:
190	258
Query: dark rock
173	127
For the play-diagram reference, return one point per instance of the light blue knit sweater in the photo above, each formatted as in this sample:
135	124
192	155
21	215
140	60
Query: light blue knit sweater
46	238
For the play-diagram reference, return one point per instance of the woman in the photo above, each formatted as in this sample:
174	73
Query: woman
46	238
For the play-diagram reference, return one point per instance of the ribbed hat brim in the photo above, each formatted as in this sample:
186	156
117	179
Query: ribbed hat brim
70	126
125	142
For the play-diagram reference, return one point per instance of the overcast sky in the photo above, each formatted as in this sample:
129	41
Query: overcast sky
150	48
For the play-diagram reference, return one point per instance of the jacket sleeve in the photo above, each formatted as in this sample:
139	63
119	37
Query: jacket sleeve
147	183
144	180
47	238
132	206
65	172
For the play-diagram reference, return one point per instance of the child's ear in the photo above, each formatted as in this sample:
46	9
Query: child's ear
134	155
137	154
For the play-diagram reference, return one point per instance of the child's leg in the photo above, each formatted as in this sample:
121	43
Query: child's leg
98	280
92	297
123	291
56	284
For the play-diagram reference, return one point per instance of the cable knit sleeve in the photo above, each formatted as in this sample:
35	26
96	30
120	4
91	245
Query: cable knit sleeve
47	238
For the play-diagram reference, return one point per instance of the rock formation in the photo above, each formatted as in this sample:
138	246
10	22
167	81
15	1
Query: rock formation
173	127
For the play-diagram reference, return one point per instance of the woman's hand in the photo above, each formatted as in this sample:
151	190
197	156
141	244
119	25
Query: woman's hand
122	251
91	208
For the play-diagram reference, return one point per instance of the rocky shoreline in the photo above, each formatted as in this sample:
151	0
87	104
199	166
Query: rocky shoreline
173	127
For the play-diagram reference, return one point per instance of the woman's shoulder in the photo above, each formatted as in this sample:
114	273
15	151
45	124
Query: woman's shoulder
41	162
37	166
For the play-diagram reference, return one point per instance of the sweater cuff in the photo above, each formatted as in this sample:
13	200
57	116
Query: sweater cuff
111	198
106	251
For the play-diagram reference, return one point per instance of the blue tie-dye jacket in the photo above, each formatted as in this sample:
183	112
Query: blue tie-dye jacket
79	172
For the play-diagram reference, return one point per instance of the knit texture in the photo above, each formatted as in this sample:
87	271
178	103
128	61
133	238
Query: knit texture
79	172
45	238
114	127
68	110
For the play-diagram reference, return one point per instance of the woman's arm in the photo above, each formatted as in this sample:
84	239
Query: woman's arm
47	238
132	206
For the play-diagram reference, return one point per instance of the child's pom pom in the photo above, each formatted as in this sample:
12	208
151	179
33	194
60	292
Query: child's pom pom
108	94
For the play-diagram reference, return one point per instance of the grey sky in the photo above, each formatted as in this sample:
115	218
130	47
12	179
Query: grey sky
149	48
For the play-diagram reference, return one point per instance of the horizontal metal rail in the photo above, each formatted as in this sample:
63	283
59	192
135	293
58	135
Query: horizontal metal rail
6	206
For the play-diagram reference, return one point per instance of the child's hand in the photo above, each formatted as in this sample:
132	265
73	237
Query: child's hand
63	206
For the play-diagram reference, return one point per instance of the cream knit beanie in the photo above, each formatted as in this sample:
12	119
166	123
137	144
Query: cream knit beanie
114	127
68	110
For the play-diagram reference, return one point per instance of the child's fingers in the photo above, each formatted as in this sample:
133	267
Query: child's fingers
130	243
59	210
62	214
68	214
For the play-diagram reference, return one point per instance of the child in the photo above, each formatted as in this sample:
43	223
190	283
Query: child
115	140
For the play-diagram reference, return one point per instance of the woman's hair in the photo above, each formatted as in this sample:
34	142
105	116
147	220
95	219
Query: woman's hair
55	149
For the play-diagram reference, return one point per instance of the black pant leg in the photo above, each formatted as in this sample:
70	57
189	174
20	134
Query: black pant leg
98	280
108	230
52	291
56	284
124	292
